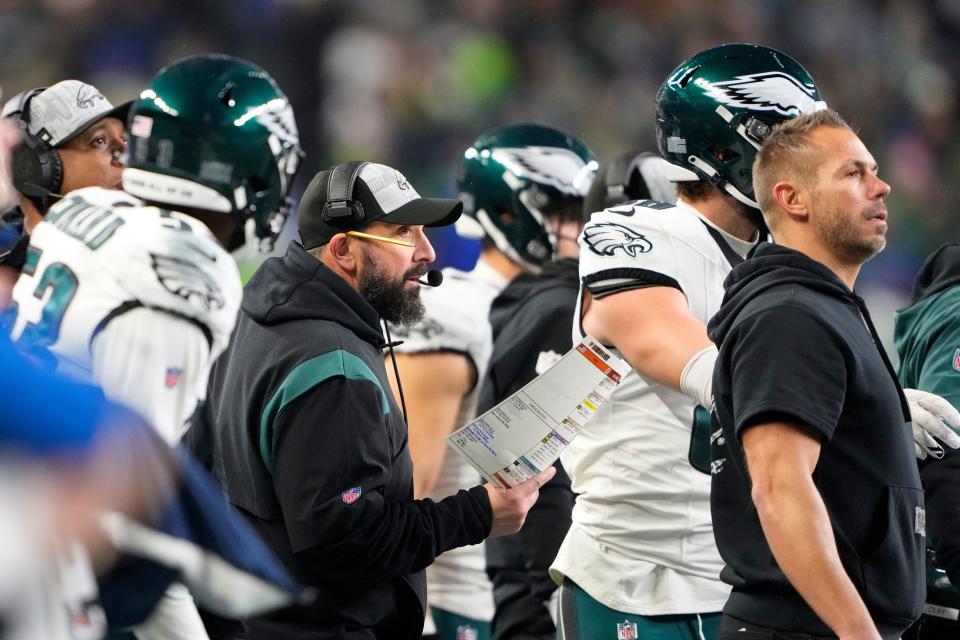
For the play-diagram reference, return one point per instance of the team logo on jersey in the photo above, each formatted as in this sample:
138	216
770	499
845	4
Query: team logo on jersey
605	238
185	279
769	91
351	495
717	438
956	359
626	630
172	377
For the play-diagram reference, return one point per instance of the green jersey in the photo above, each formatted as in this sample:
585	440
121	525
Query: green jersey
927	333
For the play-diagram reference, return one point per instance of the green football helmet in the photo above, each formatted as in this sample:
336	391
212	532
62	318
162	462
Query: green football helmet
716	108
513	178
215	133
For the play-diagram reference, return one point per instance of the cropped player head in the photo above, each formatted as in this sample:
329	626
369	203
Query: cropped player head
71	138
634	175
214	135
715	109
517	179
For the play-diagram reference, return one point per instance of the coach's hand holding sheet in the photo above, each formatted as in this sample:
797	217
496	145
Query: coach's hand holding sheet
510	506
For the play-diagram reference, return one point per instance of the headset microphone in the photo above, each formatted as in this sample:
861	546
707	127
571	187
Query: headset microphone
434	278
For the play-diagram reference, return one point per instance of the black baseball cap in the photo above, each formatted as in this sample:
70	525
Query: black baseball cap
382	193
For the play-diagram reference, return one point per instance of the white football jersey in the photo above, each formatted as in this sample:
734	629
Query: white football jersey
134	297
457	320
641	540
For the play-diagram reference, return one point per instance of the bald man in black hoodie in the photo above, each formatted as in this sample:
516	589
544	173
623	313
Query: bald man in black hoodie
817	504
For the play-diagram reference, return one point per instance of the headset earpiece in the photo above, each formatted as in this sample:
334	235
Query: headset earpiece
36	166
341	209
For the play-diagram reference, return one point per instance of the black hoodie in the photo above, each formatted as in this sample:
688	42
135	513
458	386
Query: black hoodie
310	446
796	345
532	314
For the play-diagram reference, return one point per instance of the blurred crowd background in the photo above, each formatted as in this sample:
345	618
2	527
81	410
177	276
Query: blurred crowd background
411	82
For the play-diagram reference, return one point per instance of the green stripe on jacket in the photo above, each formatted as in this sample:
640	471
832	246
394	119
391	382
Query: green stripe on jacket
306	376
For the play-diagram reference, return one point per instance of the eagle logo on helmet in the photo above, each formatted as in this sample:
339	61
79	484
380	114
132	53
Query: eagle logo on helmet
769	91
276	116
606	238
557	167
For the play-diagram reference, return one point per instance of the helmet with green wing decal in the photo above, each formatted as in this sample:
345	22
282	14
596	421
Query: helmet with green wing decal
716	108
214	133
513	179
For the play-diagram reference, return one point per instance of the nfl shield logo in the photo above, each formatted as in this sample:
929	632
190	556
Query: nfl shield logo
626	630
350	495
172	377
956	359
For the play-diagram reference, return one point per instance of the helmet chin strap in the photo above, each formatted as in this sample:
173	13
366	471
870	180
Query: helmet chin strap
722	183
733	191
502	243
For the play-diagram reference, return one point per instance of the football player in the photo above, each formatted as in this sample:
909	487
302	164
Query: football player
519	184
639	558
926	335
135	289
70	137
531	331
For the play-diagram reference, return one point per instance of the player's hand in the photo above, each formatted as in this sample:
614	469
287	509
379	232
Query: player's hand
510	506
935	421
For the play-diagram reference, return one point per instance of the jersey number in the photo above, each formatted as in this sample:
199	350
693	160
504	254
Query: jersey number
62	283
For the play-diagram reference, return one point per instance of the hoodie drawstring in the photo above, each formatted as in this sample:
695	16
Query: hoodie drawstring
396	371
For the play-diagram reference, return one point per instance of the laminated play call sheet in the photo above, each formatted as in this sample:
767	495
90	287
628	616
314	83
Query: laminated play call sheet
525	433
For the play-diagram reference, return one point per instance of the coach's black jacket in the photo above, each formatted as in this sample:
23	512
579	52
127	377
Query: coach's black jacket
309	444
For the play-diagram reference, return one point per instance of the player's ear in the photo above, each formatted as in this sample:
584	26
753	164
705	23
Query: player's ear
792	199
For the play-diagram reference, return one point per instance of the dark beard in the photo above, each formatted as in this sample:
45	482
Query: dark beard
390	298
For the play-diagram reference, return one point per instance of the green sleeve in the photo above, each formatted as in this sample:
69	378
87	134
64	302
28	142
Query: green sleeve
939	372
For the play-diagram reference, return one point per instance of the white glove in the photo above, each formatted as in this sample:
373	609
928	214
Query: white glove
935	421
